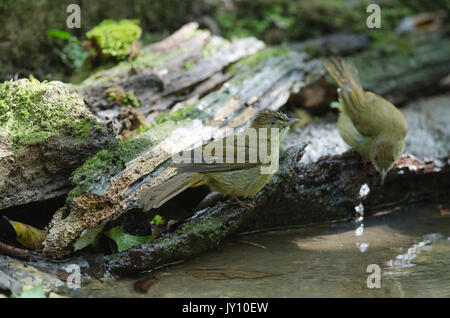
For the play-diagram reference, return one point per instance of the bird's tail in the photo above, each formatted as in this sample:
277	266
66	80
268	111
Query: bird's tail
156	196
343	72
346	76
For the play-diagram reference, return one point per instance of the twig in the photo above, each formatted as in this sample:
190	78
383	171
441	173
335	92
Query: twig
13	251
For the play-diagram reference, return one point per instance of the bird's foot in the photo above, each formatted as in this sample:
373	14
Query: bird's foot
243	204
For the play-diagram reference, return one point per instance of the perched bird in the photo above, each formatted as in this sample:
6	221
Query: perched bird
367	122
230	177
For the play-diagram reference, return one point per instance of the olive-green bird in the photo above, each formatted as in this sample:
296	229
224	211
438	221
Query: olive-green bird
370	124
230	177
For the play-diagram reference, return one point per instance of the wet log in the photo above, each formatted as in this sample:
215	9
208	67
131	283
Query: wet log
327	187
323	181
266	81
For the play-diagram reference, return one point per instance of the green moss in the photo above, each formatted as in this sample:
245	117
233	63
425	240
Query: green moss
144	60
106	163
115	39
420	58
31	111
260	56
180	114
117	94
188	65
158	220
205	226
212	48
193	33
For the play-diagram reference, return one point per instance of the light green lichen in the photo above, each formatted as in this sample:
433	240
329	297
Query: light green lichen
115	39
31	111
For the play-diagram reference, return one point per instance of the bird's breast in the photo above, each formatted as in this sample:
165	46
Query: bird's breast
243	183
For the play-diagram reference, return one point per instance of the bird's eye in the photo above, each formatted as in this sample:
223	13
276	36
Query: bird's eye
272	122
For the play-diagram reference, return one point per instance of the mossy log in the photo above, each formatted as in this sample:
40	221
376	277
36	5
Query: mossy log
46	132
206	96
407	69
265	81
324	181
172	73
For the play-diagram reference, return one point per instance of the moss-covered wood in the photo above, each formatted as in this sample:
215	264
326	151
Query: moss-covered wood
169	74
46	132
267	83
320	181
107	186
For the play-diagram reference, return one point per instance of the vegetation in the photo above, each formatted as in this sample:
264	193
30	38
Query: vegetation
105	163
117	94
115	39
273	21
31	110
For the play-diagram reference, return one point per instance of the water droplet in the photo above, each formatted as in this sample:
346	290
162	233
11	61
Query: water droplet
362	246
359	209
359	231
364	191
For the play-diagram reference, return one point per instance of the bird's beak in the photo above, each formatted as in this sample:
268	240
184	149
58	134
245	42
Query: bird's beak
383	175
292	121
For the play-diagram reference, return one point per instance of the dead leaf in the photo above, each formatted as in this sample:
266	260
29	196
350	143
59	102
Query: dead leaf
29	236
225	273
142	286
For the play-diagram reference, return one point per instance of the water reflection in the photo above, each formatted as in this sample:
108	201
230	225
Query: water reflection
410	246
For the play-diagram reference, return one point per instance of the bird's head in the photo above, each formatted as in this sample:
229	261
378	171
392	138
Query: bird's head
273	119
384	155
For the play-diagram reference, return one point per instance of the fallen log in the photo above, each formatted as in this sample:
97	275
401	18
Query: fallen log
322	181
267	81
406	70
109	184
171	73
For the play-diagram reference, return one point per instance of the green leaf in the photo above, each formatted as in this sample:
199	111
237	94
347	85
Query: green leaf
124	240
34	292
334	105
59	34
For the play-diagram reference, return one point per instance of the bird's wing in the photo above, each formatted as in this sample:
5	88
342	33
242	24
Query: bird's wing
211	167
365	109
214	157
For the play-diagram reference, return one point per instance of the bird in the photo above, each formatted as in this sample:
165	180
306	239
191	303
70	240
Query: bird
228	175
367	122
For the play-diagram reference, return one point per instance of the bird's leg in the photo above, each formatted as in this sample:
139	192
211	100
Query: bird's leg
242	203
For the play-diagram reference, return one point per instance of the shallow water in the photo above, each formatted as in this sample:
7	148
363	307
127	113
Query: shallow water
411	248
